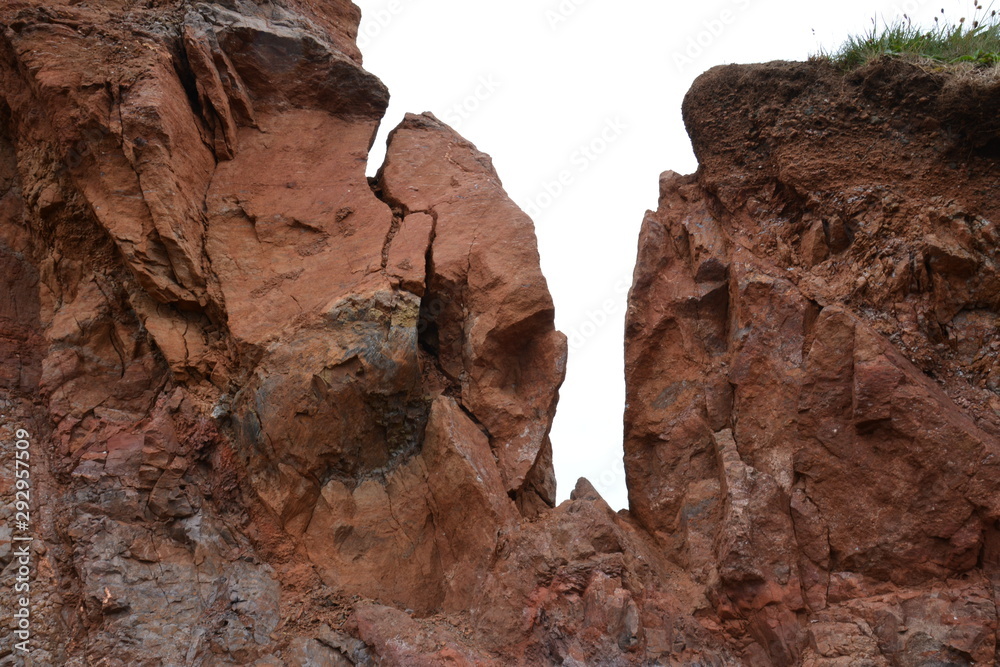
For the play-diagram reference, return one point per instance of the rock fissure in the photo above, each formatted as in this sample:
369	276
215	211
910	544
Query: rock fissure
324	400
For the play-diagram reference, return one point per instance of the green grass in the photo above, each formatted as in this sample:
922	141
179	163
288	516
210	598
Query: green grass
974	39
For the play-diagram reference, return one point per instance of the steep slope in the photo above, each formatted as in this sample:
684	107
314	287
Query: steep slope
813	420
279	413
252	385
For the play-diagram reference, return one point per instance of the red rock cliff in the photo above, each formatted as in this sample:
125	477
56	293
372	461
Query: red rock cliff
279	413
282	414
813	425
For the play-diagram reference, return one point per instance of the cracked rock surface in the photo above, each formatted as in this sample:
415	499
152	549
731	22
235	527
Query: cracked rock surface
813	418
282	414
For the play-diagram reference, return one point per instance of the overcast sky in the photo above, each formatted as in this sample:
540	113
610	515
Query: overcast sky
578	102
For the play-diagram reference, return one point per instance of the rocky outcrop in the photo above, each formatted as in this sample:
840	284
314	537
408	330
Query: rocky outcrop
256	382
280	413
812	426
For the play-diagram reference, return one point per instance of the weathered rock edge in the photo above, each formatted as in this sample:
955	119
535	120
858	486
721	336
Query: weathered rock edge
283	415
813	420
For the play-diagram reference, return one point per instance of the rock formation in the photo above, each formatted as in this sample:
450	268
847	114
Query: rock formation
813	420
282	414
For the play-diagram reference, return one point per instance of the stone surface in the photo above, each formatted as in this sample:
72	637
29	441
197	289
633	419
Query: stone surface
811	426
281	414
486	313
224	340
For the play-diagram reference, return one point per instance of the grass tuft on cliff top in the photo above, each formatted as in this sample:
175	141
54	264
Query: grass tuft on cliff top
974	40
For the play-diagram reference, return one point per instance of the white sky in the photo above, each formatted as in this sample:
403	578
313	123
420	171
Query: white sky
533	82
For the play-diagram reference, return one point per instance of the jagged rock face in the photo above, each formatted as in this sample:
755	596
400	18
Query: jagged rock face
283	414
267	396
813	419
486	313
